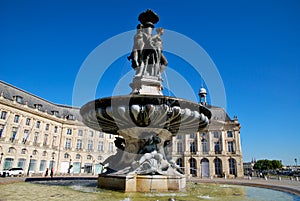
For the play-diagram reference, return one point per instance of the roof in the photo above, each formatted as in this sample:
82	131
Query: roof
11	92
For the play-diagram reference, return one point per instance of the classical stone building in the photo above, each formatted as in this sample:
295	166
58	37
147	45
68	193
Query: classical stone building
36	134
213	152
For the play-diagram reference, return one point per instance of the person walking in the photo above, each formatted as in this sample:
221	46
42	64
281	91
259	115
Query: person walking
46	173
51	172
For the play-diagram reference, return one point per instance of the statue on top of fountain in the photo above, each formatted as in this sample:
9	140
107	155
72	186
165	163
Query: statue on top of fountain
146	56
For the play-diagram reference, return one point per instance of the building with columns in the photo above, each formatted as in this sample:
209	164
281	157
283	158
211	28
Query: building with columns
36	134
213	152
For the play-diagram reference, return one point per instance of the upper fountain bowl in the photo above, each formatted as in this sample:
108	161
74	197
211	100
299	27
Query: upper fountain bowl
176	115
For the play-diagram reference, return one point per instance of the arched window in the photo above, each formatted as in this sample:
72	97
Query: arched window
232	166
218	167
204	167
66	155
193	167
179	162
11	150
34	152
24	151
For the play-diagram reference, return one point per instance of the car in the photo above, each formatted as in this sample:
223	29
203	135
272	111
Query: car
13	172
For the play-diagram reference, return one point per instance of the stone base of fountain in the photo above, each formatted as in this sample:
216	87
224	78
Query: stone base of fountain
142	183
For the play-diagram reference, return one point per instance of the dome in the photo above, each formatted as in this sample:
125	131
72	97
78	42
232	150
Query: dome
202	91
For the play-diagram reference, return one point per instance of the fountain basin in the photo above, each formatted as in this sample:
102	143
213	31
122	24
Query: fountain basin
176	115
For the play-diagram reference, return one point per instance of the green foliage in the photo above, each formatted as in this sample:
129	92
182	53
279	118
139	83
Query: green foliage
267	165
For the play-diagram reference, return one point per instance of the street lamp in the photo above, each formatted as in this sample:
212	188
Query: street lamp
29	166
296	162
1	157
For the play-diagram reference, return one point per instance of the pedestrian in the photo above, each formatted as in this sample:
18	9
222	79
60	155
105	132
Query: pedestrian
46	173
51	172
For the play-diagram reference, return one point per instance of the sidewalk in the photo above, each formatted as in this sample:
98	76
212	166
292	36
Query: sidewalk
290	186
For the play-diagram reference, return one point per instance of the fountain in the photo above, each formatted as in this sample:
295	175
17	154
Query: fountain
144	121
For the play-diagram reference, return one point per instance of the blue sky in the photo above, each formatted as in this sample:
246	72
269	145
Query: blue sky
255	46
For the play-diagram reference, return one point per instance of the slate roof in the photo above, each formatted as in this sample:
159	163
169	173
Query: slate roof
10	92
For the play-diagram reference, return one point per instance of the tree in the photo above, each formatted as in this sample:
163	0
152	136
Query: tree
267	165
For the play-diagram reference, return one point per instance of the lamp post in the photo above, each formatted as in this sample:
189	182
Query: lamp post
1	157
29	165
296	162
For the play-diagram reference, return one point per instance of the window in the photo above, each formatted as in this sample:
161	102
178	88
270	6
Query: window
38	106
192	147
27	123
66	155
216	134
19	99
54	139
54	112
179	147
218	166
45	140
89	157
16	119
101	135
204	135
47	127
100	146
100	158
179	162
25	136
34	152
69	131
217	147
204	146
42	165
193	167
110	147
1	129
77	156
230	147
91	133
44	153
23	151
38	124
3	115
79	144
232	166
90	145
55	129
13	134
192	135
229	134
35	139
111	136
21	163
80	133
11	150
68	143
179	137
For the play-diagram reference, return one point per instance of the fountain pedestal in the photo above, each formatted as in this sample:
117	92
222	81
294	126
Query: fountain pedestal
142	183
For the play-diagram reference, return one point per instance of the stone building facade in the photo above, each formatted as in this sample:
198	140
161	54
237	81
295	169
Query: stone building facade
36	134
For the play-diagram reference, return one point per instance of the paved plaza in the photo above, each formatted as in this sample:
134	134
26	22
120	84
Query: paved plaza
286	185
